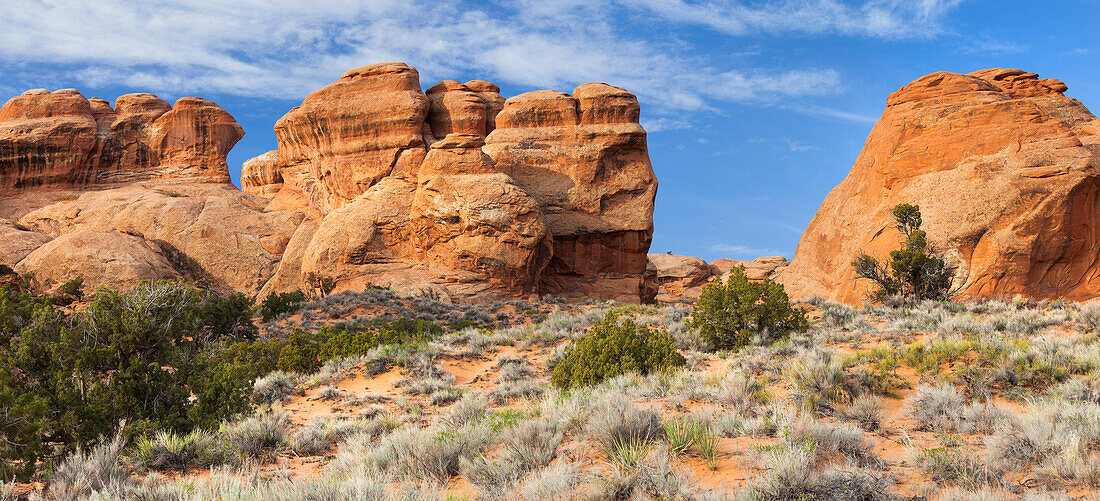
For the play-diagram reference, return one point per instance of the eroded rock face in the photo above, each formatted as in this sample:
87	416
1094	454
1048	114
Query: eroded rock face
16	243
679	278
1005	170
480	192
347	136
460	231
583	157
63	140
374	182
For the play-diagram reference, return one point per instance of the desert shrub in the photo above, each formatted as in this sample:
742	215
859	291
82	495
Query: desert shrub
54	370
336	342
531	445
1028	442
939	407
74	288
558	481
470	408
508	390
819	380
258	435
281	303
913	270
1089	316
166	450
93	473
729	315
789	472
829	438
613	348
617	420
867	411
275	387
229	315
958	466
414	453
322	433
852	485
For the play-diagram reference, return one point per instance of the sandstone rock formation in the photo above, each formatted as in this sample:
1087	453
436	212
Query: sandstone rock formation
104	258
211	232
1005	170
134	192
583	158
374	182
63	140
679	278
460	192
16	243
757	269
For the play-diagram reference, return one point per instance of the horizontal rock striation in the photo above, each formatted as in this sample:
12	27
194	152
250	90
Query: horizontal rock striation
63	140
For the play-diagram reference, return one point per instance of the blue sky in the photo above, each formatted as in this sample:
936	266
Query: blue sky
755	109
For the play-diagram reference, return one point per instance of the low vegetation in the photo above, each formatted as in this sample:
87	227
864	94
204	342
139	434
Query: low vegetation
613	348
913	271
732	314
171	392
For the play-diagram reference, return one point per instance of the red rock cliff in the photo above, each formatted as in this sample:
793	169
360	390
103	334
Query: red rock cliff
1005	170
61	139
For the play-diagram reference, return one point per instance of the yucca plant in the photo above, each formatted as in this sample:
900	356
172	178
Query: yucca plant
629	451
167	450
681	434
708	443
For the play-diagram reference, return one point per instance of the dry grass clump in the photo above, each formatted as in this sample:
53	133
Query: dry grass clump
867	411
262	434
93	473
322	433
790	473
166	450
958	466
819	381
275	387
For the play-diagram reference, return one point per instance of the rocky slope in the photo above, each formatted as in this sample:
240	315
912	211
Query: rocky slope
455	192
1005	170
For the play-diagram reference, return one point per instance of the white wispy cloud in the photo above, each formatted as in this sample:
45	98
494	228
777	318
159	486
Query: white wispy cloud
798	147
877	18
287	48
825	111
989	46
742	251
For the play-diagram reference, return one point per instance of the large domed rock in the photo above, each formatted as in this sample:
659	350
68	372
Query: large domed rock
1005	170
212	233
103	258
